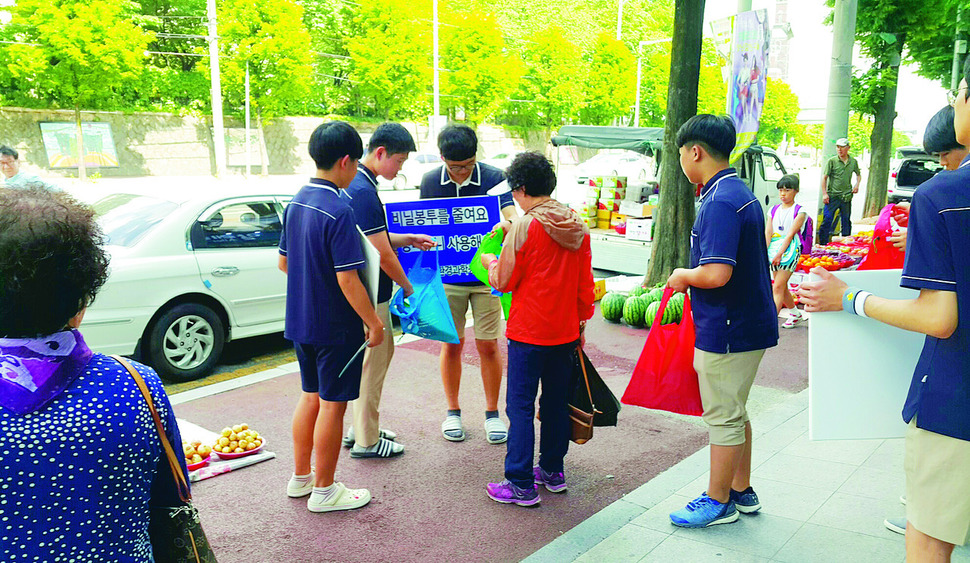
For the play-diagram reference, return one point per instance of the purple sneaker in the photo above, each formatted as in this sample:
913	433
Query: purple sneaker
507	493
554	482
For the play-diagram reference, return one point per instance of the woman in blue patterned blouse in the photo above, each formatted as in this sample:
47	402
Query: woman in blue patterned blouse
80	459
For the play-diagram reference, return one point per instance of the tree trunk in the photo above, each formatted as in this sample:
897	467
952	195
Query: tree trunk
675	215
881	143
82	171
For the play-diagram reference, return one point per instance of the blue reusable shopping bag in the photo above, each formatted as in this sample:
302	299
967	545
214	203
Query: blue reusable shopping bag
425	313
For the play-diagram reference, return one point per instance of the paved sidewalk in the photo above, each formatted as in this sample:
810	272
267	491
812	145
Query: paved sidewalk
823	501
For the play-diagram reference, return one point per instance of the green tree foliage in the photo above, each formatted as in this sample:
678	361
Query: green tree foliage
391	60
71	54
172	79
270	37
330	25
547	96
610	83
779	116
480	72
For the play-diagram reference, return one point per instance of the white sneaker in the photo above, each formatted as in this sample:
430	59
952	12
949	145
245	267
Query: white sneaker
794	321
341	499
297	488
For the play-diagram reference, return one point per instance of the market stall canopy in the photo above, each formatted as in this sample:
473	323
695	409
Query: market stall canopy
645	140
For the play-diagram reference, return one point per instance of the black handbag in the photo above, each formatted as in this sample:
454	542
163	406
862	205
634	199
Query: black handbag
175	531
581	418
606	404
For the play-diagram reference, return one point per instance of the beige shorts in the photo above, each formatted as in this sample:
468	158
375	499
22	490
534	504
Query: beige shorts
938	484
486	310
725	380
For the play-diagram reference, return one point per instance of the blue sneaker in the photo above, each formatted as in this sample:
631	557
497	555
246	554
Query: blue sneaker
507	493
704	511
746	501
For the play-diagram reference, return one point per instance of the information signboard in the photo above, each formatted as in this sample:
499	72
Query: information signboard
457	224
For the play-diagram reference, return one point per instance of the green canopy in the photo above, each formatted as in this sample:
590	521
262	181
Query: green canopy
645	140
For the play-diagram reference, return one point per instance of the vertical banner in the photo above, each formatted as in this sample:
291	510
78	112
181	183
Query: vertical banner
456	223
746	87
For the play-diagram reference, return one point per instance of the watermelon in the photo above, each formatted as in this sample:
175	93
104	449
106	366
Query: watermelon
612	306
638	291
657	292
651	313
633	311
649	298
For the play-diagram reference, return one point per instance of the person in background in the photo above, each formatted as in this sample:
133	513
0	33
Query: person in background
547	265
329	315
462	176
837	190
937	407
14	177
939	140
387	150
734	317
66	413
784	246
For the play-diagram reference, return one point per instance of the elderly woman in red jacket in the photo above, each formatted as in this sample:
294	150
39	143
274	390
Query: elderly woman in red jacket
545	263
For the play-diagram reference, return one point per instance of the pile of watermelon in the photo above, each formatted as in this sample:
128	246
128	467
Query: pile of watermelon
639	308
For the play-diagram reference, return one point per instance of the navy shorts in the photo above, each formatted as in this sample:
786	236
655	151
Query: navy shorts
321	364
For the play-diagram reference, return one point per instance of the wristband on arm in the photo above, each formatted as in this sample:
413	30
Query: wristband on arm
854	301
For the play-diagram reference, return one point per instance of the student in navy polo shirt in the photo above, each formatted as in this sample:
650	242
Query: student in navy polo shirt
387	150
461	176
937	408
734	314
320	253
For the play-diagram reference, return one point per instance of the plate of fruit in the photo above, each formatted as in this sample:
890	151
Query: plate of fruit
196	454
238	441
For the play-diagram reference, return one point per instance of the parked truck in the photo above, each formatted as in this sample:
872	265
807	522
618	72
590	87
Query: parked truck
759	167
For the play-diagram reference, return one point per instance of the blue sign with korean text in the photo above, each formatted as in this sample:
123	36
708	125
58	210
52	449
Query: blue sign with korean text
456	223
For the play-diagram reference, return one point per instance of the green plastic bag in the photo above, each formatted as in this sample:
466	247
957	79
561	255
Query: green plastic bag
491	244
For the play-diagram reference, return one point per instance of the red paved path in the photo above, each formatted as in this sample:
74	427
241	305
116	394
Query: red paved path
430	504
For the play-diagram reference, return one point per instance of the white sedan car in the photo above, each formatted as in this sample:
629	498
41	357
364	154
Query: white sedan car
413	170
637	168
189	272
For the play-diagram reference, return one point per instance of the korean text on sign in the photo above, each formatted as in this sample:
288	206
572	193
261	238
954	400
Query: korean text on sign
457	224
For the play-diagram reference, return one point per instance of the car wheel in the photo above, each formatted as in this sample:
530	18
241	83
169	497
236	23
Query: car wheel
400	182
185	342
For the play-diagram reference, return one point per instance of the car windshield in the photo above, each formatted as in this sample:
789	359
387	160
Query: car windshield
127	218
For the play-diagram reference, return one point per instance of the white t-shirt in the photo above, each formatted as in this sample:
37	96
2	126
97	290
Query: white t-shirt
784	218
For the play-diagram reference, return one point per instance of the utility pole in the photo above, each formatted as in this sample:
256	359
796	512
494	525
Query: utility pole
619	20
247	119
959	49
840	79
218	128
433	137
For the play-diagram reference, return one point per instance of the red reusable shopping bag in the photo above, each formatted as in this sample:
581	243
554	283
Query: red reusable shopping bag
664	377
882	254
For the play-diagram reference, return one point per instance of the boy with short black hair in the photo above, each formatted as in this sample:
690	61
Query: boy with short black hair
462	176
734	314
387	150
320	252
